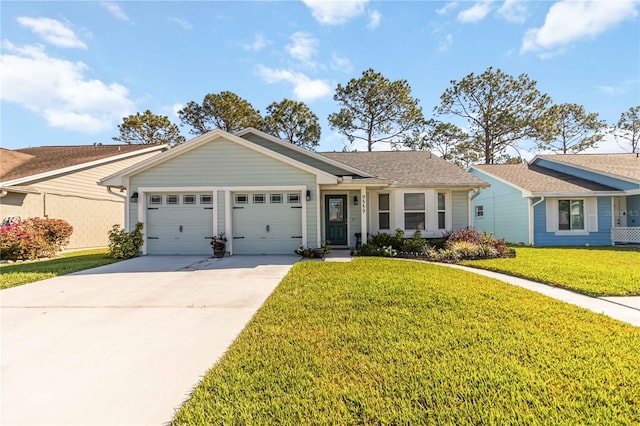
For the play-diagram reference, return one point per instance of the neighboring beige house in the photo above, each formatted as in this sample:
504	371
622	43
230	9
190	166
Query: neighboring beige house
60	182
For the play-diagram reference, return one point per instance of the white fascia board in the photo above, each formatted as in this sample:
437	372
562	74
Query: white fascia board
308	153
117	178
577	194
587	169
18	190
81	166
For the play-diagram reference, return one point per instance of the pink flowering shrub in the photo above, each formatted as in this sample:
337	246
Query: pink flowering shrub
34	238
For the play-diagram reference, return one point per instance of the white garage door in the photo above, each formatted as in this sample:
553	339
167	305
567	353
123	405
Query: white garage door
266	223
179	223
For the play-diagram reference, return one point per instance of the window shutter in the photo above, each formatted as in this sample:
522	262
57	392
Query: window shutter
552	214
592	214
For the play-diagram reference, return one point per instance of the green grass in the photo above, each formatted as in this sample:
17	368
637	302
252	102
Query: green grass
595	271
15	274
382	341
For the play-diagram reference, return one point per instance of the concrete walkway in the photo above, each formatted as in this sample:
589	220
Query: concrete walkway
124	344
625	309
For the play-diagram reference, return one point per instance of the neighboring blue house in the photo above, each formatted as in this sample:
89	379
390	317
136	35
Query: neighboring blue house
562	200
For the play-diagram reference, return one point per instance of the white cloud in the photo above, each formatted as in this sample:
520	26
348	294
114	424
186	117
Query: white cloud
447	7
475	13
513	10
623	87
52	31
374	19
341	64
302	47
114	10
335	12
304	88
445	43
59	91
183	23
175	108
259	42
568	21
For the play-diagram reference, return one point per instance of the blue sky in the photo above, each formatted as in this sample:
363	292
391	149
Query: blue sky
71	70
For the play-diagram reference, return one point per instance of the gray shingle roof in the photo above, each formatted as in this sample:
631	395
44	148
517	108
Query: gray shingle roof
538	179
410	168
15	164
623	165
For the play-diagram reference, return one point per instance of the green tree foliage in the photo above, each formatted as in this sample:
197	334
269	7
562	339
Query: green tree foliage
568	129
501	110
224	110
125	245
627	129
148	128
293	122
447	141
376	110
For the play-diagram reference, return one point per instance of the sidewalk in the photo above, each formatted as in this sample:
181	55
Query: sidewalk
625	309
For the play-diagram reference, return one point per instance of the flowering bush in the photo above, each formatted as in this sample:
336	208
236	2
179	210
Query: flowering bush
34	238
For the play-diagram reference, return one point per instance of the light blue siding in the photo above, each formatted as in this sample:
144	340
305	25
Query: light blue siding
594	177
506	212
460	209
602	237
633	210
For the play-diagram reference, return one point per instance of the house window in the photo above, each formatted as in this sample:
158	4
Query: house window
259	198
242	198
442	206
570	215
172	199
155	199
293	198
383	211
275	198
414	211
479	211
206	199
188	199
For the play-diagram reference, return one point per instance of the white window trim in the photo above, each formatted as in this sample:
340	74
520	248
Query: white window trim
388	211
590	212
424	211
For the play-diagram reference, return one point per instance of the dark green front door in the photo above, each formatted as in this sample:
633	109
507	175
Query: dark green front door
335	219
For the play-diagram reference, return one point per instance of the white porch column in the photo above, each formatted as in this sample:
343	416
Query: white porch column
363	214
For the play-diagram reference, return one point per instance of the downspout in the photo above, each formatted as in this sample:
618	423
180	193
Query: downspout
531	213
3	193
470	208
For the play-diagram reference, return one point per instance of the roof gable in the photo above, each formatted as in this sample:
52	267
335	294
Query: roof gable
24	165
621	166
533	179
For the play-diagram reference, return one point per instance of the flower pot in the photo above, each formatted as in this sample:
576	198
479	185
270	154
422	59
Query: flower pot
219	253
318	253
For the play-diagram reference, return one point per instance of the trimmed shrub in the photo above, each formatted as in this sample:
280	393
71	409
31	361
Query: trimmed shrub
125	245
34	238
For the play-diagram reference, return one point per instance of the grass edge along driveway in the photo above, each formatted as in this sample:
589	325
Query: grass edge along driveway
19	273
594	271
382	341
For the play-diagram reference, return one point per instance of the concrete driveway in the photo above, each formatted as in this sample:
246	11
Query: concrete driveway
124	344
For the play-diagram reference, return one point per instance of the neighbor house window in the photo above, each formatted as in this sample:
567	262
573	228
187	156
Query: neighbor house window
172	199
259	198
479	211
188	199
276	198
570	215
293	198
242	198
155	199
442	206
383	211
206	199
414	211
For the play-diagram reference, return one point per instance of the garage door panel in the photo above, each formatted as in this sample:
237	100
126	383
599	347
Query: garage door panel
179	229
266	228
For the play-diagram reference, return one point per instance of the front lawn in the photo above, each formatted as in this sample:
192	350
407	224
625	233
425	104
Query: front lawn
15	274
595	271
384	341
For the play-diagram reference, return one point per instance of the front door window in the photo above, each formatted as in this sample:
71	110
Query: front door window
336	210
335	219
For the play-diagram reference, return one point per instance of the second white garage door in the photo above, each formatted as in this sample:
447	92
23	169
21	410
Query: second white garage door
266	223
